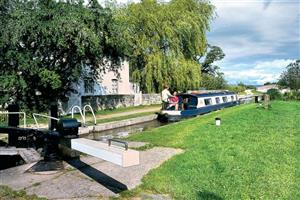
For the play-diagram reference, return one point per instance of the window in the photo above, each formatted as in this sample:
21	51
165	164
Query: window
217	100
224	99
232	98
88	85
114	86
207	101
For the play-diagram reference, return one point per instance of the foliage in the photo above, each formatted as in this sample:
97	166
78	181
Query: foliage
254	154
293	95
236	88
269	83
274	94
211	77
213	82
45	44
291	77
163	40
213	54
252	87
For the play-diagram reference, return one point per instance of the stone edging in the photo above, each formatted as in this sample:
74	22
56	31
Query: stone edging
116	124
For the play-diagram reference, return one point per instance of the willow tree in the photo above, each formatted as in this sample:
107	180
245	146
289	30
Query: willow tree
163	41
44	45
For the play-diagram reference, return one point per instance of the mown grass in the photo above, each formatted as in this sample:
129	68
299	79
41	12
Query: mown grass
254	154
99	121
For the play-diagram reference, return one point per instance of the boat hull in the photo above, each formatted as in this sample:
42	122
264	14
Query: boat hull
173	116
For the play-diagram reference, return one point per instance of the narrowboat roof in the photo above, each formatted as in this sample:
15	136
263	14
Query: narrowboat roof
211	94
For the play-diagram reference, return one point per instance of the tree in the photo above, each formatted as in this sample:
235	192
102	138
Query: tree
274	94
213	82
291	77
214	53
163	41
44	45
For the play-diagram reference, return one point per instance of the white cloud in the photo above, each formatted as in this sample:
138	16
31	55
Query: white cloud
277	64
257	37
257	73
253	76
247	28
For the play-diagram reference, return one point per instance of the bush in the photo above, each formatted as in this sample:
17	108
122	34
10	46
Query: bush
274	94
295	95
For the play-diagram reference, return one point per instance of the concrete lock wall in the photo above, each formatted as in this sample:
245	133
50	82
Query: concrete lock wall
148	99
108	101
116	101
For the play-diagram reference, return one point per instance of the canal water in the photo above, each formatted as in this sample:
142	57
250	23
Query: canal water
124	131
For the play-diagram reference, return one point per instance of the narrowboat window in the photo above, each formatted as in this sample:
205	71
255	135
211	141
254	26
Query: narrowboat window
217	100
207	101
224	99
232	98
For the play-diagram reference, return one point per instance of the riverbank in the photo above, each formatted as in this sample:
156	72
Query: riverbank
254	154
102	116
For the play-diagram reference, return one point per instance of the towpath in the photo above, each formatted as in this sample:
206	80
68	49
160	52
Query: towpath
126	113
117	114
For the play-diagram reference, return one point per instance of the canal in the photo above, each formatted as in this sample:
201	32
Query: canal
124	131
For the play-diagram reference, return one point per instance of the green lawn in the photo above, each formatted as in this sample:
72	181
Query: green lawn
255	154
99	121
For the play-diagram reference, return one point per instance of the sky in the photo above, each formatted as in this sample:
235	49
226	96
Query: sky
259	37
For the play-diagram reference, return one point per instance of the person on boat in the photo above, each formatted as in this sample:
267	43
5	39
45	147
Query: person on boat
165	95
174	100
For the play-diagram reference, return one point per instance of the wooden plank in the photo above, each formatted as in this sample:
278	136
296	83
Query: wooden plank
115	154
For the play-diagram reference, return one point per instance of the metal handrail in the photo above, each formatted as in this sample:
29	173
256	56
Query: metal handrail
118	141
90	107
46	116
83	117
24	114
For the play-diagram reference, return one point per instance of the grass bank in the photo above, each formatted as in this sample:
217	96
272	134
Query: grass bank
254	154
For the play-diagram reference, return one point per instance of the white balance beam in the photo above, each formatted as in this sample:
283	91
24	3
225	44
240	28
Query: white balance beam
114	154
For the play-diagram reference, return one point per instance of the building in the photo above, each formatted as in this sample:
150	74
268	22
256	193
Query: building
265	88
108	83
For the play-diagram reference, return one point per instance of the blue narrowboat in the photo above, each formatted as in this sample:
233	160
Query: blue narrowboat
190	105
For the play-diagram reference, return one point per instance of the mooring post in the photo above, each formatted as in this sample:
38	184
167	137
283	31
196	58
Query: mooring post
13	119
53	113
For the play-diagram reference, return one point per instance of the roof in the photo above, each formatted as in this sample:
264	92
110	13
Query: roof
212	94
264	87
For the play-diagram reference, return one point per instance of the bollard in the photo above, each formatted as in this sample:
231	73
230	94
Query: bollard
53	112
218	121
13	119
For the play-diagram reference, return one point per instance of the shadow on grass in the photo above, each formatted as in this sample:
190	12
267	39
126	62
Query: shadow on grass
101	178
205	195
